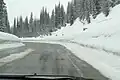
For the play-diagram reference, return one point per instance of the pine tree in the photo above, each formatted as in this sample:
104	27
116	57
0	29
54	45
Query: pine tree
38	27
48	19
75	8
71	14
62	16
21	25
15	28
68	12
105	7
97	6
45	17
31	23
35	26
56	16
59	13
18	25
59	16
6	21
53	19
26	25
42	17
2	24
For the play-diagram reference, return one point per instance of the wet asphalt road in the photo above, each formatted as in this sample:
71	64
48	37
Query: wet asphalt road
51	59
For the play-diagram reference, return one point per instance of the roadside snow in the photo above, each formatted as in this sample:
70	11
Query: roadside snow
13	57
107	64
9	41
11	45
6	36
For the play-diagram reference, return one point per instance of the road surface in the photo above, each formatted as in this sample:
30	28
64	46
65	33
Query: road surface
51	59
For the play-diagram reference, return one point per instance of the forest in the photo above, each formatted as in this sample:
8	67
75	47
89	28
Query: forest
46	23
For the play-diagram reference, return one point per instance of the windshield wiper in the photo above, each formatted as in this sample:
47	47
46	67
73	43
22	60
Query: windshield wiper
42	77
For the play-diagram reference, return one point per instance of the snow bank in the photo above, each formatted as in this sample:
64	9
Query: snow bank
10	45
6	36
108	65
67	32
103	34
9	41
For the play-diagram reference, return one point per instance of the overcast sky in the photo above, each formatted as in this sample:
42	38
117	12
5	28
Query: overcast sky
25	7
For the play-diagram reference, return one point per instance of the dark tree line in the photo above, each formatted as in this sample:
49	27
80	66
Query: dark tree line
4	23
48	23
43	26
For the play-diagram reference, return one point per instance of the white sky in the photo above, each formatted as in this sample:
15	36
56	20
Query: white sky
25	7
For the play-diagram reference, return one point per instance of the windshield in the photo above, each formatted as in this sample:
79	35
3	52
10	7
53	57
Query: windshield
77	38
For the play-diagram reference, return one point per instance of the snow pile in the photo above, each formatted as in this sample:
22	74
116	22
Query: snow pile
103	34
6	36
108	65
9	41
67	32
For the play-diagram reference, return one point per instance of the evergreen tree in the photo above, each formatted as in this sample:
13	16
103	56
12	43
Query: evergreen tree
56	16
18	25
31	23
6	21
53	19
45	17
62	16
59	16
68	12
35	26
97	5
105	7
15	28
41	16
21	25
2	24
38	27
26	25
71	14
75	9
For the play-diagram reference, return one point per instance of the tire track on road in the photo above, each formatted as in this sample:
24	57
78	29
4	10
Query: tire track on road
76	67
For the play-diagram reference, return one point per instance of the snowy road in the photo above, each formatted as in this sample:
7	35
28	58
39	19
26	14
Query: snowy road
51	59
